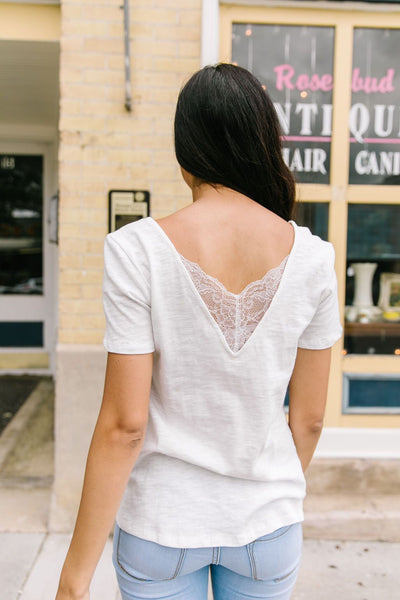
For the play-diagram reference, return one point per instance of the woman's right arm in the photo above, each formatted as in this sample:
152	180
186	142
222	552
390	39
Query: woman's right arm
307	400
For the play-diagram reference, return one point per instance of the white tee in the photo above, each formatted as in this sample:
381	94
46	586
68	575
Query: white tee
218	465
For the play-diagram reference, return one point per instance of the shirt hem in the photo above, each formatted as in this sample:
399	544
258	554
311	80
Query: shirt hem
172	540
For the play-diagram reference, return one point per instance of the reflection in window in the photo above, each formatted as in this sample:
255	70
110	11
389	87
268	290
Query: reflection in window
295	64
374	115
373	280
21	255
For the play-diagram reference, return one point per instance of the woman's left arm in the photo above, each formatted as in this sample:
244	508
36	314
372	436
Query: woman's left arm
115	447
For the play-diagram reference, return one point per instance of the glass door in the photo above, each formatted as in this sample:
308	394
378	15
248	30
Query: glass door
25	297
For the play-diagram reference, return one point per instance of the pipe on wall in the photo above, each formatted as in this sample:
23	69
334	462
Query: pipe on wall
210	32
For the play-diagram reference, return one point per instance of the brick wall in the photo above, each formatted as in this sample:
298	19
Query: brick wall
104	147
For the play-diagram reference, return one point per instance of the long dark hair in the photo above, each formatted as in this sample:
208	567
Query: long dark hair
227	133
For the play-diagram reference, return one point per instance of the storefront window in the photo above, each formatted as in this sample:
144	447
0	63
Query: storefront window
373	279
295	64
21	200
313	215
375	115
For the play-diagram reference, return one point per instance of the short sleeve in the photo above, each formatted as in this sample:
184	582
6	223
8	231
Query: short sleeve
126	301
325	328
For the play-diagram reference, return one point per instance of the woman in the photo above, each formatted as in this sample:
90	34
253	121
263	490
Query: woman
212	313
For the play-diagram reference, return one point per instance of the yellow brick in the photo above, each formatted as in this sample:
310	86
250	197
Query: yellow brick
165	125
69	291
163	157
139	177
104	46
89	60
68	321
70	261
70	107
96	246
84	28
97	199
129	124
71	11
71	44
91	292
130	156
74	245
82	123
117	140
103	13
168	173
143	30
83	307
167	189
92	322
93	261
190	50
70	137
176	65
83	91
67	231
168	16
187	4
70	75
106	77
187	33
73	336
190	17
94	107
154	80
97	232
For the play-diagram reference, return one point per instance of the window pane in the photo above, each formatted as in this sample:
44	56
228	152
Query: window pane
296	65
372	393
21	256
313	215
24	334
373	279
375	115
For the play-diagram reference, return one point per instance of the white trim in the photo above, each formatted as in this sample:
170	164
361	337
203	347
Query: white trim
348	442
210	32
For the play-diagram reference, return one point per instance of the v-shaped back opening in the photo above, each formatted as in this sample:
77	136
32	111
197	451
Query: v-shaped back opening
237	315
215	298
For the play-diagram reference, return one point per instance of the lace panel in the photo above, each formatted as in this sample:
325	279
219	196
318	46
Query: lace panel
237	315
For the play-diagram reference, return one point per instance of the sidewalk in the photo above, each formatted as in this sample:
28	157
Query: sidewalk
331	570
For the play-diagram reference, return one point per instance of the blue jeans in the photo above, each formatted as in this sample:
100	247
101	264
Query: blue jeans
265	568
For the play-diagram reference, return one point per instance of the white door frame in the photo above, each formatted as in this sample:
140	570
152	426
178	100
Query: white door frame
37	308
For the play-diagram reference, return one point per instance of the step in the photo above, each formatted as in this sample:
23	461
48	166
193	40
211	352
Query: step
373	517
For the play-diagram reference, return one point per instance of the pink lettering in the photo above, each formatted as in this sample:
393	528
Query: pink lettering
303	83
326	83
284	74
373	85
287	78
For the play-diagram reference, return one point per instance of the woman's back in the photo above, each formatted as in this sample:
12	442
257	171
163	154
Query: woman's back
231	237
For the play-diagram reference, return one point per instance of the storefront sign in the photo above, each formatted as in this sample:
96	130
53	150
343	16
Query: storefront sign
375	112
295	64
